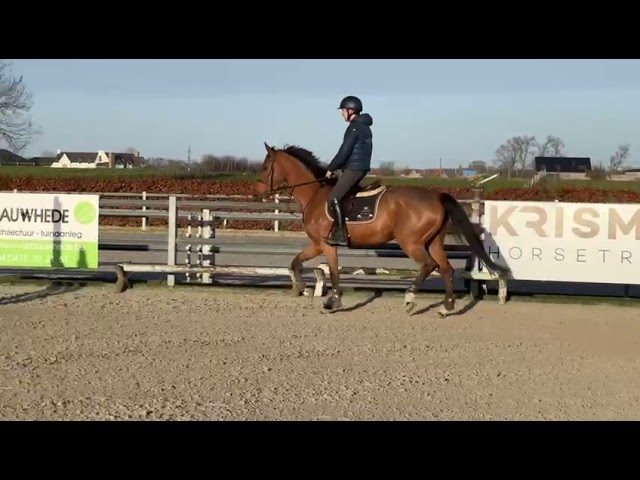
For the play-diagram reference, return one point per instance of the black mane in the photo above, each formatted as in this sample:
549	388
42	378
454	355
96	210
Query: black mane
308	159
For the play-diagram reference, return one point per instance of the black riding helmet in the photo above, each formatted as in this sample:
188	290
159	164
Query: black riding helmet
351	102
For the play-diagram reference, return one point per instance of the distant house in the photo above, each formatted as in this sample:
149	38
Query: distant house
80	160
125	160
412	174
443	172
99	159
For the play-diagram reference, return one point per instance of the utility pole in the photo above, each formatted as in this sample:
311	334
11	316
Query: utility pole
189	158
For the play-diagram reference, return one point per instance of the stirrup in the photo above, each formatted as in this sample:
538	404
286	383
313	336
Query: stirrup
338	238
337	243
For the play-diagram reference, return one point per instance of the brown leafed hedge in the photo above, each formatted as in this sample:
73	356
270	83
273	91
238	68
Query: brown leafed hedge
245	187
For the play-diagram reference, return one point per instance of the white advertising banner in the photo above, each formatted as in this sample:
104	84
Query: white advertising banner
49	230
569	242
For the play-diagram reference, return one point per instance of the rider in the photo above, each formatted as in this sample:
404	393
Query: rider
353	158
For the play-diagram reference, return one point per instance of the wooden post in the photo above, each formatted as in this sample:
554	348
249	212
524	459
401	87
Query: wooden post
172	253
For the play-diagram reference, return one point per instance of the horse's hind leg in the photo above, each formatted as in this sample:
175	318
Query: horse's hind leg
419	254
334	301
437	251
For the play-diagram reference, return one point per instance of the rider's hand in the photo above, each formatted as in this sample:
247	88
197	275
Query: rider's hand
329	174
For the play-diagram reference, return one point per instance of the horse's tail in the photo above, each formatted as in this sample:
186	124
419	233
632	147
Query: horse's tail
463	226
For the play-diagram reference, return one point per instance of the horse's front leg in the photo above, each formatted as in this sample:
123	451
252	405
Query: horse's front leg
308	253
334	301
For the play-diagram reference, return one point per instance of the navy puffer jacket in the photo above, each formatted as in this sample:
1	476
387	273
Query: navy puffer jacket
357	146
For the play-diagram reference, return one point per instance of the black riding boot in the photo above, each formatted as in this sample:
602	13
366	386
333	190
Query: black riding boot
338	236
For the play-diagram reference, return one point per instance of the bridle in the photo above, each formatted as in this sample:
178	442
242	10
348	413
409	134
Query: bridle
290	188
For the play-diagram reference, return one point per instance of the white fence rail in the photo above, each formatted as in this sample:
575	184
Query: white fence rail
219	208
475	275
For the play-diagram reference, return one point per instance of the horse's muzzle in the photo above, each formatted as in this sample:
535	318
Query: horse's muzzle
259	190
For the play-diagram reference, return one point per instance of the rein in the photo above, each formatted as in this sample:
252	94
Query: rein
291	187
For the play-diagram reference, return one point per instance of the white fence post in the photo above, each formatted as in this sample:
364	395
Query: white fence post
207	255
276	223
476	218
172	253
144	209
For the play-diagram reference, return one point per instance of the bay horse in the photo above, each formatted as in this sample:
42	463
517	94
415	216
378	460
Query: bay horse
417	218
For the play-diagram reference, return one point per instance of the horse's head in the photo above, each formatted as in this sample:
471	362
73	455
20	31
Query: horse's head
272	175
290	167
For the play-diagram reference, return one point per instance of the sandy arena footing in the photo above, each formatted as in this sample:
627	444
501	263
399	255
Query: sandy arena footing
253	354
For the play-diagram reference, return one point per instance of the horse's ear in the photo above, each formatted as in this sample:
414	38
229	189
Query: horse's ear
269	149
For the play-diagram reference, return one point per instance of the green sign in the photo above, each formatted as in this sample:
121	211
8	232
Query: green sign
49	230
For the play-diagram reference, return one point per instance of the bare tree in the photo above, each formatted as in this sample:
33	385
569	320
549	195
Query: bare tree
558	147
130	150
618	159
506	157
228	164
515	152
526	145
156	162
173	164
479	166
48	153
16	129
551	147
387	169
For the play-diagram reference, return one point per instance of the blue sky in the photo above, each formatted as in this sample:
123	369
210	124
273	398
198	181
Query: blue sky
423	110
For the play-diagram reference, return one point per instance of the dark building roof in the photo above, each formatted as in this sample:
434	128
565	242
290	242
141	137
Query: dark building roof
563	164
79	157
9	158
40	161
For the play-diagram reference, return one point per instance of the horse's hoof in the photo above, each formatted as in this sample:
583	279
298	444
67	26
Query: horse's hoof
409	301
297	289
308	292
409	306
332	304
